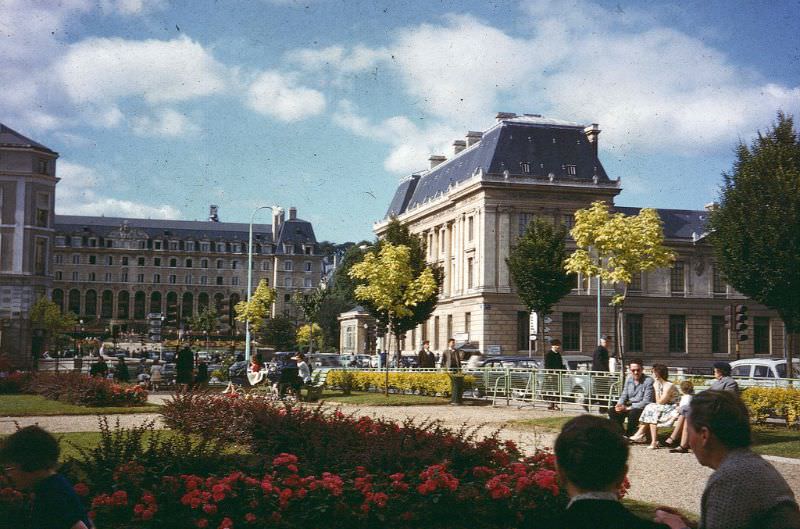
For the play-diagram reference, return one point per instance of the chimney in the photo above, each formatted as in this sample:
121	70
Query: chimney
277	222
436	159
473	137
292	213
592	132
504	115
458	146
212	213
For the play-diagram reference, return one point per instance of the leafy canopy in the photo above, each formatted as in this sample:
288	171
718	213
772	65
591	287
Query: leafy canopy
615	246
390	284
756	228
205	321
536	264
47	314
305	334
257	310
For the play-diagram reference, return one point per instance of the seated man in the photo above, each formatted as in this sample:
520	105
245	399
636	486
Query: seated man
592	461
636	394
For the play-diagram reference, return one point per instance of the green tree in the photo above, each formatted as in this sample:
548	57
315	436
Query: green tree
756	228
257	310
614	247
343	285
536	264
311	304
328	319
309	335
47	315
206	321
279	332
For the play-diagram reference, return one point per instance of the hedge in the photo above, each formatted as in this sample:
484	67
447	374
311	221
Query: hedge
421	383
764	403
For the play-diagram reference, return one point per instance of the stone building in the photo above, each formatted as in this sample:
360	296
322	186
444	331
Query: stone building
27	194
119	270
470	209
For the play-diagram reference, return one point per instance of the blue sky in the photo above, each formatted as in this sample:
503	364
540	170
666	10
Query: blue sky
160	108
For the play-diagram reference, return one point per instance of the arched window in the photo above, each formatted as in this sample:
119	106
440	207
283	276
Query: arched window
186	305
74	301
218	303
155	302
107	306
173	262
123	305
139	301
90	307
202	301
58	298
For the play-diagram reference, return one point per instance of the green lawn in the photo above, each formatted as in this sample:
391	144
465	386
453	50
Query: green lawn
25	405
767	440
379	399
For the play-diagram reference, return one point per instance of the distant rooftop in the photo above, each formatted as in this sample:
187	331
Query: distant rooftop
11	138
678	223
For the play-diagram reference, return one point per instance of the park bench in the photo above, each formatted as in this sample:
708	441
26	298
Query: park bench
313	390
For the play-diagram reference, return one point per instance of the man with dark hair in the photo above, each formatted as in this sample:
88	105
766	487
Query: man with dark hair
552	361
592	461
745	491
30	459
425	357
601	355
636	394
451	359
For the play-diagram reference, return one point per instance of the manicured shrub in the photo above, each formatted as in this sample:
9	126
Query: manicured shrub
426	383
83	390
764	403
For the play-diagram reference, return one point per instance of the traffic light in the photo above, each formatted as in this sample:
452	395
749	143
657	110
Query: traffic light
172	314
741	322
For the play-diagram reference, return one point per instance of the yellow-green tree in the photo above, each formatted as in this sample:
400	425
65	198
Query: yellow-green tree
614	247
309	335
47	315
390	285
257	310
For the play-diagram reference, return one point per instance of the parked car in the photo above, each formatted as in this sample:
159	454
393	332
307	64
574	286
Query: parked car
502	362
762	371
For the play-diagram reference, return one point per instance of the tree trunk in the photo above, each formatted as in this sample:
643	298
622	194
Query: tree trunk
792	352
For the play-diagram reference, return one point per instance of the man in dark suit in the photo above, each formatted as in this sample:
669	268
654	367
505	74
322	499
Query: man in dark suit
552	360
425	357
600	356
592	461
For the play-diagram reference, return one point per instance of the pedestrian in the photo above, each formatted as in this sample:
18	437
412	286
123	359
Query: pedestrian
601	355
99	368
552	361
202	373
592	461
451	360
745	491
121	373
425	357
636	394
184	366
30	458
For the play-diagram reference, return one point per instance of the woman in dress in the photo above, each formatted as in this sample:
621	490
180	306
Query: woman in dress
666	394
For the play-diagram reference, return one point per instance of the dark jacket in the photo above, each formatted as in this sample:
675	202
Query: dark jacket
600	359
553	360
451	359
426	359
602	514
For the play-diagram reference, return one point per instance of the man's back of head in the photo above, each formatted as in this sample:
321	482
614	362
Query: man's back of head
592	454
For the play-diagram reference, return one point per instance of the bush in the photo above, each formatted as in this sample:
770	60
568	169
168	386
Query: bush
83	390
421	383
764	403
15	382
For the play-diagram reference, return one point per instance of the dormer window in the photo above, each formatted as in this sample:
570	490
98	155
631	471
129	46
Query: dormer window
572	170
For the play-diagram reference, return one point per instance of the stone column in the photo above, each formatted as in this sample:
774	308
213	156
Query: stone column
503	249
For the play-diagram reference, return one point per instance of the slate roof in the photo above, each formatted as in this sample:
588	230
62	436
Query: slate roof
545	145
678	223
294	231
11	138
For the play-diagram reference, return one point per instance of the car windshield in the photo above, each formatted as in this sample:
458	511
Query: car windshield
781	369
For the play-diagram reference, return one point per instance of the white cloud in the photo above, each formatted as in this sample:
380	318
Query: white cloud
278	96
337	58
76	194
166	122
132	7
103	70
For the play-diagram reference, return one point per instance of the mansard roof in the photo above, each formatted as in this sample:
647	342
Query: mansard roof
293	231
11	138
525	146
678	223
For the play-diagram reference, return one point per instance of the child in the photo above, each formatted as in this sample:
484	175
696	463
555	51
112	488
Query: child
30	459
679	414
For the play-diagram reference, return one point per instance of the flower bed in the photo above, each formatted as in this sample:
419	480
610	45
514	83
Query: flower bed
83	390
421	383
14	383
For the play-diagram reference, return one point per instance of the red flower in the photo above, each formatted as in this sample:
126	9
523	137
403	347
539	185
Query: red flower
201	523
210	508
81	489
250	517
226	523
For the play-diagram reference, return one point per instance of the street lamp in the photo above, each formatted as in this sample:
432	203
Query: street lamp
250	279
366	338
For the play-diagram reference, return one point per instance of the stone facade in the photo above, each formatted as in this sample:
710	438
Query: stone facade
470	209
27	194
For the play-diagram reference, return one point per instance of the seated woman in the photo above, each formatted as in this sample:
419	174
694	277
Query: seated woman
666	394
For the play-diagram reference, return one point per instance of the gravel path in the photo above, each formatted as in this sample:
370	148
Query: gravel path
656	475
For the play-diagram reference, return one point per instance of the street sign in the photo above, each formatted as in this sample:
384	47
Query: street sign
494	349
532	337
534	325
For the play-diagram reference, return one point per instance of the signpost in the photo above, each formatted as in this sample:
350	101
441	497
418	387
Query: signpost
533	332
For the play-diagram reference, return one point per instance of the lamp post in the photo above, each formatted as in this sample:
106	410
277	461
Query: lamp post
366	338
250	279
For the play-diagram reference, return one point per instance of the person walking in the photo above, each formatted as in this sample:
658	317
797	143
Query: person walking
451	359
425	357
553	361
745	491
121	373
601	355
184	366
